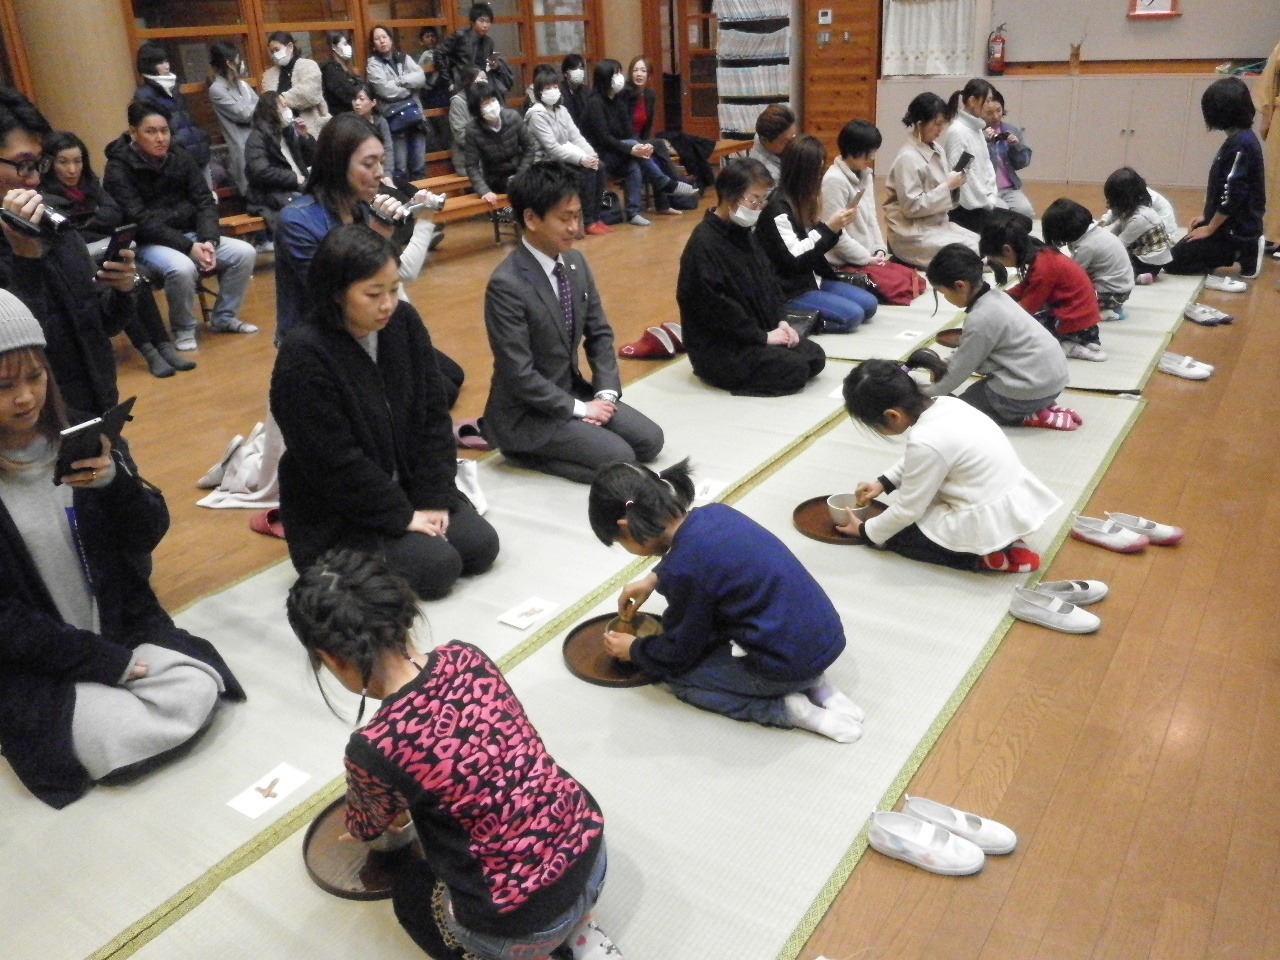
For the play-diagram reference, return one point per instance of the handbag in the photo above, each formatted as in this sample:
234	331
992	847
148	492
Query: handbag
804	322
892	283
403	114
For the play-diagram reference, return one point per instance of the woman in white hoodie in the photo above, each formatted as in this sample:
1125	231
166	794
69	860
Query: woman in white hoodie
558	138
979	202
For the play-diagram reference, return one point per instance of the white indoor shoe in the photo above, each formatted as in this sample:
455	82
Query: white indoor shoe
1108	534
1207	316
1048	611
1224	284
1161	534
924	845
1080	592
989	836
1187	368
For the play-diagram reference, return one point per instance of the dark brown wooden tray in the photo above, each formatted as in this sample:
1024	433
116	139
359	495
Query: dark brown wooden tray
585	656
346	868
949	337
813	519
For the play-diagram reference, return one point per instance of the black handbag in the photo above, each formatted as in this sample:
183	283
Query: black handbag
403	114
804	322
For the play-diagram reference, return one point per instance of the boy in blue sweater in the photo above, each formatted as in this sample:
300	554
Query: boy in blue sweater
747	632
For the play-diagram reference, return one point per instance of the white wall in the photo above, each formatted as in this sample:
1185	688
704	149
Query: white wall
1041	30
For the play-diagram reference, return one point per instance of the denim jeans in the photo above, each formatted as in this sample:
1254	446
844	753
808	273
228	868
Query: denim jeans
409	154
538	945
722	684
844	303
234	271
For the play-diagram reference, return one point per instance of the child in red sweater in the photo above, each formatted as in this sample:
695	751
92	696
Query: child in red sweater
1054	288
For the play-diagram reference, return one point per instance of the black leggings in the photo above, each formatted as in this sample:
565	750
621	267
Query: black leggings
1220	249
590	189
1140	266
431	565
911	542
146	326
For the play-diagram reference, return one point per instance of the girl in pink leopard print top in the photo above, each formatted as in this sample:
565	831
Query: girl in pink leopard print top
514	846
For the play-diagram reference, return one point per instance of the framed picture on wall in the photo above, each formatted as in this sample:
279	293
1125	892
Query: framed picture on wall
1153	9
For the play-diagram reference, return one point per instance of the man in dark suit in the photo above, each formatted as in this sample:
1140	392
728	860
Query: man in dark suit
541	304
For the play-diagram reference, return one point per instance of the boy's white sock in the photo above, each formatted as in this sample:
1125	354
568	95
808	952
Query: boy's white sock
825	694
828	723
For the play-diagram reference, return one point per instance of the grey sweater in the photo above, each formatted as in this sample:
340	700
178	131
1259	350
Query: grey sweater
1104	259
1020	358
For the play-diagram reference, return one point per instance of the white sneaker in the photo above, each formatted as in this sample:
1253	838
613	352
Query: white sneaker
1084	351
1161	534
1080	592
1224	284
1046	611
924	845
1207	316
1108	534
1184	367
989	836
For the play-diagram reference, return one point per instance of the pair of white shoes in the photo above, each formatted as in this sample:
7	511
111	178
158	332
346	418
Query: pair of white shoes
1056	604
938	838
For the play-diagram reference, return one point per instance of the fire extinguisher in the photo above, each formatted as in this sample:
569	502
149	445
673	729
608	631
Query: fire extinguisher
995	51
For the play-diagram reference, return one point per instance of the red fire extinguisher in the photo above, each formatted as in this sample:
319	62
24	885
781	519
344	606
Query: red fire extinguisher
995	51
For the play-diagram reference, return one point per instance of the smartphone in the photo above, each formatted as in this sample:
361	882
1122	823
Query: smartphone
1002	135
121	239
84	440
965	159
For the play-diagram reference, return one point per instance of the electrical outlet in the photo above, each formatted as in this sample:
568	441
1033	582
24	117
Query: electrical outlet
824	37
824	19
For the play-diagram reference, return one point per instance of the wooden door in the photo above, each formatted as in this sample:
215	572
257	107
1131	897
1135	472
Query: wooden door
695	29
840	65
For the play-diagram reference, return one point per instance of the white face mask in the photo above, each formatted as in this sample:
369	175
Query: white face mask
344	50
481	78
282	57
551	97
619	81
491	111
286	115
166	80
577	75
744	216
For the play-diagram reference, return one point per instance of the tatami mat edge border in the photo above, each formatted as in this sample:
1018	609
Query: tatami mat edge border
835	883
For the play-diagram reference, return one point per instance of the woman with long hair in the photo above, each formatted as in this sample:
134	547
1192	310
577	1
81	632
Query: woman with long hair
278	157
397	78
233	103
797	240
298	81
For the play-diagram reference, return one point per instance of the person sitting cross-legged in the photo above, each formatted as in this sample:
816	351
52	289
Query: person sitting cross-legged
540	306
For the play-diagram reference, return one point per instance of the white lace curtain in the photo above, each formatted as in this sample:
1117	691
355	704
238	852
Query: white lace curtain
927	37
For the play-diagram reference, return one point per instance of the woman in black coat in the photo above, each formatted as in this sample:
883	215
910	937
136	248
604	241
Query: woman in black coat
94	675
731	307
370	459
277	158
607	127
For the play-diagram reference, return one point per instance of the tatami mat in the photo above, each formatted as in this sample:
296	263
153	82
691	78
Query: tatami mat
139	845
893	332
721	835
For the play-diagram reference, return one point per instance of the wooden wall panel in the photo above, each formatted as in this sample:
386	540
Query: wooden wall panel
840	76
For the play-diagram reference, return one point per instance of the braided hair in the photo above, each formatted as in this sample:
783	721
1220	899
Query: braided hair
349	604
874	386
648	501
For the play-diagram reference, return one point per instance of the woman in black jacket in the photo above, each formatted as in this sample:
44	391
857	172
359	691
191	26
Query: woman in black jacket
72	188
94	675
370	459
731	308
607	127
160	86
797	242
277	158
497	147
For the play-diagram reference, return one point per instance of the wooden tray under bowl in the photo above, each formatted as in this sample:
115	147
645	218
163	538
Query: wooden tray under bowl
585	656
345	868
814	520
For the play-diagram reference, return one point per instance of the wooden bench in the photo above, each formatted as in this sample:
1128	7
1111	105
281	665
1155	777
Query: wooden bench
450	184
468	207
728	148
239	224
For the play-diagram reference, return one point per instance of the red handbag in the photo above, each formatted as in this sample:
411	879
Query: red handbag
894	283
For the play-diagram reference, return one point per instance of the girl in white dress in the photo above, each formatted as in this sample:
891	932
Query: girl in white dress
962	499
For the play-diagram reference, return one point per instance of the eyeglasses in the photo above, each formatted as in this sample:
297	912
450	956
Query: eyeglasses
754	203
25	168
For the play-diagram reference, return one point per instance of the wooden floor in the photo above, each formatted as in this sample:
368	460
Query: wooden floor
1140	766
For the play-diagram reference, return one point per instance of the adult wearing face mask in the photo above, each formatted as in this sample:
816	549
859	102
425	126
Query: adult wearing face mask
574	89
338	77
278	157
297	80
498	146
160	86
233	102
558	138
460	116
731	307
607	127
